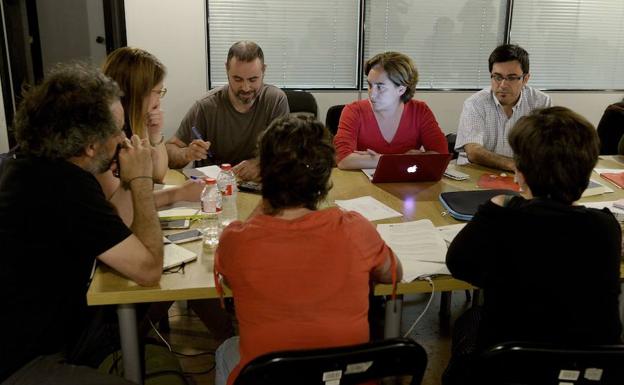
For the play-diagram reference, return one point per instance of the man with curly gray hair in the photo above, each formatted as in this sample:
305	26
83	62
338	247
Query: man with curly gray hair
55	222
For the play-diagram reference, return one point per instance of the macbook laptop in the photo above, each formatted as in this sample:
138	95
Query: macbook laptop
410	168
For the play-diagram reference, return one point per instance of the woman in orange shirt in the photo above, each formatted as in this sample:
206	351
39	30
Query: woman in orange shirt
300	276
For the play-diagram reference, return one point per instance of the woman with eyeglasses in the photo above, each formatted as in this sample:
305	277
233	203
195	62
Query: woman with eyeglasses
390	121
140	75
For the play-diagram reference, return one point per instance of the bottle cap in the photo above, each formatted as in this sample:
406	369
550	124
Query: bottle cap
226	167
210	180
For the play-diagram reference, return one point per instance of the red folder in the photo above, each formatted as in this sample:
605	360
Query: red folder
617	178
493	181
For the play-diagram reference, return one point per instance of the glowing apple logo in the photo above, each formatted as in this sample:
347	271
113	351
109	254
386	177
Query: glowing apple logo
412	169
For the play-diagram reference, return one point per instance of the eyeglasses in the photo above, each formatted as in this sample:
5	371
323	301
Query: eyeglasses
161	92
510	79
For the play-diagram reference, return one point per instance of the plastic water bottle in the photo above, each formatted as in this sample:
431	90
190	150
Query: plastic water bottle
227	185
211	210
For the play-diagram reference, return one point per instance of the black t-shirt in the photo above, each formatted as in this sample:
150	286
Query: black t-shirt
54	222
550	271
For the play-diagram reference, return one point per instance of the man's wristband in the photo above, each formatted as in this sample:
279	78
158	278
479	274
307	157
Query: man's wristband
162	138
126	184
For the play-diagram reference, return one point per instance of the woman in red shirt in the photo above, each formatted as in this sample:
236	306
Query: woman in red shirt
300	276
390	121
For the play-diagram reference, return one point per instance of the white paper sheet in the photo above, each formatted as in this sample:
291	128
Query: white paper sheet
609	170
617	212
369	207
178	212
207	171
175	255
450	231
369	172
419	246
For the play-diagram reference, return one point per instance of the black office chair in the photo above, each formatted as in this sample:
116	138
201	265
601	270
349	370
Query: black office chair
450	140
333	117
302	103
532	364
8	155
349	364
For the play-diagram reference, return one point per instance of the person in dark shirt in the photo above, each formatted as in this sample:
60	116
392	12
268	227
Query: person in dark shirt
55	222
611	130
549	269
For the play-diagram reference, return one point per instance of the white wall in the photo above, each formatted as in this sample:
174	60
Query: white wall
176	33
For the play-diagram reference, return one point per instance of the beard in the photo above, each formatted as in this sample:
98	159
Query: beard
246	97
102	162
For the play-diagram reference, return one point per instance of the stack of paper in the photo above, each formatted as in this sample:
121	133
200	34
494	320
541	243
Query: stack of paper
419	245
369	207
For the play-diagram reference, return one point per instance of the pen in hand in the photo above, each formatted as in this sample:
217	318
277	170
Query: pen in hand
197	135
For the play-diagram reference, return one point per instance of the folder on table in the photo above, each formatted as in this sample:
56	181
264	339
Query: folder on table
617	178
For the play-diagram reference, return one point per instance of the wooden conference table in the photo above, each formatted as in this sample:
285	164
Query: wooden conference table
414	200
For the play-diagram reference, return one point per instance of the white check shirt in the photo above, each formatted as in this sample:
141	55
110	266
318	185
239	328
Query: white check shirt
483	120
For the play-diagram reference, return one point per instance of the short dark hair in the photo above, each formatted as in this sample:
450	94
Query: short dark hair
296	160
509	52
555	149
245	51
68	111
400	68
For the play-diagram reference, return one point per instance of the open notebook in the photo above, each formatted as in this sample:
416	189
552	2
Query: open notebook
176	255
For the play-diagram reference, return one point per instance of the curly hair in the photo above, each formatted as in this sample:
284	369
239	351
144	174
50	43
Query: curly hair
68	111
296	159
400	68
555	149
137	72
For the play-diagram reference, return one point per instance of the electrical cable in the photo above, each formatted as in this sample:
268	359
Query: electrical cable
159	335
430	281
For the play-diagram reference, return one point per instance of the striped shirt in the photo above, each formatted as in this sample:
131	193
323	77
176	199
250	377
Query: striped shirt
483	120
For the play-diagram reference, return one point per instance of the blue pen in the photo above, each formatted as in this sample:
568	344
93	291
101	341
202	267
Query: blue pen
197	135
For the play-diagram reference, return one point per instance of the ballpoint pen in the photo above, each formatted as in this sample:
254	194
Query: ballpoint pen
197	135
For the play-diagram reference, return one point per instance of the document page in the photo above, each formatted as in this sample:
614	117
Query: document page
369	172
618	212
419	245
369	207
450	231
207	171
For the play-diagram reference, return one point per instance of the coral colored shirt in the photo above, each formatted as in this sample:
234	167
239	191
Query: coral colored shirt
358	131
300	283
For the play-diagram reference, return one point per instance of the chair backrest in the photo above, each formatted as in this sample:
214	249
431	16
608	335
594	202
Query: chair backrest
301	102
333	117
532	363
8	155
346	365
450	140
